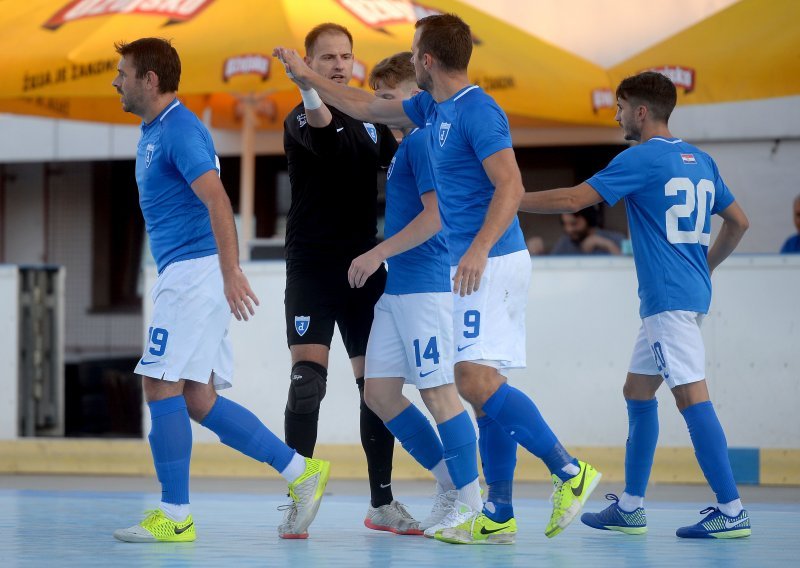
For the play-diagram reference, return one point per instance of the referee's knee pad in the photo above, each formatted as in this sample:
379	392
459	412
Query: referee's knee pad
306	389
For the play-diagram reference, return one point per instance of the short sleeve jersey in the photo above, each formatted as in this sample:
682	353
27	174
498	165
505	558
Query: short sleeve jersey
174	150
425	268
671	189
333	173
463	131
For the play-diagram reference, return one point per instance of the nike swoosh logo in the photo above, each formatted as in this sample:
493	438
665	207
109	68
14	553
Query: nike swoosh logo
579	489
340	129
184	529
385	486
423	375
731	524
143	362
460	349
490	531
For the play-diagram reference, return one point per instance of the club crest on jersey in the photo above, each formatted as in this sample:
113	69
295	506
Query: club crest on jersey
148	154
444	130
688	159
301	120
301	324
373	133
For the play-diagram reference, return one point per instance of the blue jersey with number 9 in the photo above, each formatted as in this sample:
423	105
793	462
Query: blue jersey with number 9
671	189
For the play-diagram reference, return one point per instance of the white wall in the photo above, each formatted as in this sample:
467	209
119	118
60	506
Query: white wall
9	350
582	321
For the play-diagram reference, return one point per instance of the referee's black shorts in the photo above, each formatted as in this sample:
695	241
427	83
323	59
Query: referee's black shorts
317	295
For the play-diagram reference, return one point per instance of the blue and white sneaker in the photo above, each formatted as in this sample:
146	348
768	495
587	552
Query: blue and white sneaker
612	518
718	525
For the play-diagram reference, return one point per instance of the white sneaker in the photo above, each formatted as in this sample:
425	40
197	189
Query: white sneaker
286	528
443	503
305	494
393	517
459	513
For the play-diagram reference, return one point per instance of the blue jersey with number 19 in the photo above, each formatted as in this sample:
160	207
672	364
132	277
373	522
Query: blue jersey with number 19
174	150
671	189
464	130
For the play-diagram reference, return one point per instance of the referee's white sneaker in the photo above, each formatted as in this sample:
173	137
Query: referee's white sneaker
393	517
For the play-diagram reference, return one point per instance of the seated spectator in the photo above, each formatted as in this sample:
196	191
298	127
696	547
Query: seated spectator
584	236
792	244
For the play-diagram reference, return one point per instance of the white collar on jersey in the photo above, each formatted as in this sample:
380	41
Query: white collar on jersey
169	109
662	139
464	92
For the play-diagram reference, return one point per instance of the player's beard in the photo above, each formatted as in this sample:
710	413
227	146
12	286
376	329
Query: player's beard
424	80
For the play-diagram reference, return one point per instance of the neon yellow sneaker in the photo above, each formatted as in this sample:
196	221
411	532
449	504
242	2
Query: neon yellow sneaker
306	491
157	527
569	496
480	529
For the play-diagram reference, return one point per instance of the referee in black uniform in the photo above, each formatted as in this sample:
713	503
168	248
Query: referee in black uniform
333	164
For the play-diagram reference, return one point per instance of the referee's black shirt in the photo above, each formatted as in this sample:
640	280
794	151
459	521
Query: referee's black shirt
333	174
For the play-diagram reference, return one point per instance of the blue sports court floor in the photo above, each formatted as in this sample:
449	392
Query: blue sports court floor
68	521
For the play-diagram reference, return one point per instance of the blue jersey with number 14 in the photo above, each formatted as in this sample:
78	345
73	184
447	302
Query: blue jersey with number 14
671	189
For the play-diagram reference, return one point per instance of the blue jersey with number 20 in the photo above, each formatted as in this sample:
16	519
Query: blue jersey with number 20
671	189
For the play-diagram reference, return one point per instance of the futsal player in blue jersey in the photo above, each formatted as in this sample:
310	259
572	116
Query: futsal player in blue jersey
670	189
478	186
188	355
411	340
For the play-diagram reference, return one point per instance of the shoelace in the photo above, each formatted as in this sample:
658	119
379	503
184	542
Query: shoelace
708	510
403	511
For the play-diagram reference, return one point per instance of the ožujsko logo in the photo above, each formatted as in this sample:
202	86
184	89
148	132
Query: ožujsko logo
176	11
379	13
249	64
683	77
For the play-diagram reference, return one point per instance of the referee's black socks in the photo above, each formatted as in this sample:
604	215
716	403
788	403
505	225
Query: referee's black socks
378	445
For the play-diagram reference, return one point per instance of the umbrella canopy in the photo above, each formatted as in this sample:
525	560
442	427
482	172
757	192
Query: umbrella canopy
61	60
748	51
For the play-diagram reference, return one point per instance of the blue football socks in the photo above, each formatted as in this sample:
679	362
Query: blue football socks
519	416
499	458
417	436
240	429
641	444
460	449
711	449
171	443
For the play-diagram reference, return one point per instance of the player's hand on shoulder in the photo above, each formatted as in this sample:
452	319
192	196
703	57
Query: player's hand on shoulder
467	278
362	268
241	298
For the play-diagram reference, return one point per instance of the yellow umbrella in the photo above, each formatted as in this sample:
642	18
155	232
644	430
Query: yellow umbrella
750	50
61	60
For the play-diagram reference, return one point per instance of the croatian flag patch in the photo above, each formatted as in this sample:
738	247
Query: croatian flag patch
688	159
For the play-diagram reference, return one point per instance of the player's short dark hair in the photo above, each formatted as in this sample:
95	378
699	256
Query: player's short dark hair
393	70
653	90
157	55
448	38
326	28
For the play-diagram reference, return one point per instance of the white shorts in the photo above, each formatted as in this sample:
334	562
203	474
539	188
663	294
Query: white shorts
489	325
412	338
670	344
188	335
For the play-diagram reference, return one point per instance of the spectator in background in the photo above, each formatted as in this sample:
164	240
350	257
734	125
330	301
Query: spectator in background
792	244
584	236
535	245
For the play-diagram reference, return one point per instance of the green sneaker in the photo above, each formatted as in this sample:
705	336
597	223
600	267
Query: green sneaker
306	491
569	496
157	527
480	529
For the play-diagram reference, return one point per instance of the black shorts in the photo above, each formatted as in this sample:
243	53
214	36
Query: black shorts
317	295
